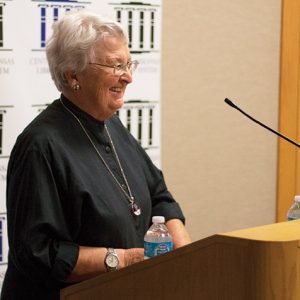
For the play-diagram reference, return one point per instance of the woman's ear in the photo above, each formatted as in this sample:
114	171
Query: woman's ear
71	78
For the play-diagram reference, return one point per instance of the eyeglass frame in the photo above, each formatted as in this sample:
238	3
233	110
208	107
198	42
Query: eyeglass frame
121	66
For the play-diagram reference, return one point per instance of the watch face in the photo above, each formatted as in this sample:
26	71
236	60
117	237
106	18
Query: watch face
112	261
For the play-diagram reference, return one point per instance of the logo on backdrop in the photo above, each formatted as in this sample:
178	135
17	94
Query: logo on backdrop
50	11
139	117
3	6
140	20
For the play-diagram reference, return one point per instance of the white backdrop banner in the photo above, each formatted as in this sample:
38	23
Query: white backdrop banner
26	87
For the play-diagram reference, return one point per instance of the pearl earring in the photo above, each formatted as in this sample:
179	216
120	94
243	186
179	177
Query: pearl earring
76	87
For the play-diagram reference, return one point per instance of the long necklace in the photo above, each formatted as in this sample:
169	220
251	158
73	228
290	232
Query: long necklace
134	207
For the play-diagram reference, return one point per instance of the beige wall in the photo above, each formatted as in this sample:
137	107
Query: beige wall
219	165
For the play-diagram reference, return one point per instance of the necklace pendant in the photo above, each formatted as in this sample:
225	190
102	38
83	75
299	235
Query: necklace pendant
135	209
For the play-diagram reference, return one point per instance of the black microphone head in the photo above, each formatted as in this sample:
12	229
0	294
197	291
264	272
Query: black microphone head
229	102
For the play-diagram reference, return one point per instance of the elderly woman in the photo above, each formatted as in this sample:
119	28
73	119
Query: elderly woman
80	189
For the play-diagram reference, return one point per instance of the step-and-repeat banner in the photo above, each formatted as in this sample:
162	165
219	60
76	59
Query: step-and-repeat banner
26	87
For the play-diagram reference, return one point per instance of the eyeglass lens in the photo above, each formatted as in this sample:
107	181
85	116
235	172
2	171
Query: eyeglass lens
131	66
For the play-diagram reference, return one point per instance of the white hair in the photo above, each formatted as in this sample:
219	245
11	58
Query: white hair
72	43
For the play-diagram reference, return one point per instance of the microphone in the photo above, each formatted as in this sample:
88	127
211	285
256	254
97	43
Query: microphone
229	102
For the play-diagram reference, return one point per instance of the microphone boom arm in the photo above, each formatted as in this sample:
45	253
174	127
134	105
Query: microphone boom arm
229	102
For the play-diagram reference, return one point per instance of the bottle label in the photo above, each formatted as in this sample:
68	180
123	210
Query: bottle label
291	219
154	249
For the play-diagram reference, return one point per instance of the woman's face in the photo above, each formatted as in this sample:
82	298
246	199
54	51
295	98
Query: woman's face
100	89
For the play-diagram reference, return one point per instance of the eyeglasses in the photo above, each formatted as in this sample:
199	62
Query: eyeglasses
120	69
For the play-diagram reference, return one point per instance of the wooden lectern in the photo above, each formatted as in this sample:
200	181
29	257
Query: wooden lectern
261	263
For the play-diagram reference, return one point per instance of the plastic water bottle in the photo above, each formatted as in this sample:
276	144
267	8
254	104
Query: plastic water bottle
157	239
294	210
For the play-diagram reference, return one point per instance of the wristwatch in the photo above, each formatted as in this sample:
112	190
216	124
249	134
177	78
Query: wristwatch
111	259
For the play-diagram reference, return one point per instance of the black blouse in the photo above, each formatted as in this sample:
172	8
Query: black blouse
60	195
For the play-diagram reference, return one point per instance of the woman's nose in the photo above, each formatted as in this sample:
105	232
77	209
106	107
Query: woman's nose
127	76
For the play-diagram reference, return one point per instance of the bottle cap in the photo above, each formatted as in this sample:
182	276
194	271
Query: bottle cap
297	198
161	219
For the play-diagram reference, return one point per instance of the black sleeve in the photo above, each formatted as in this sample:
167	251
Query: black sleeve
40	241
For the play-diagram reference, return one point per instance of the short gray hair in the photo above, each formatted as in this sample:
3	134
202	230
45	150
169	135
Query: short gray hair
72	43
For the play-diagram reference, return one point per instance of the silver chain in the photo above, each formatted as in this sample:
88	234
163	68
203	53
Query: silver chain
128	196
